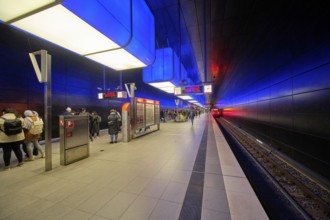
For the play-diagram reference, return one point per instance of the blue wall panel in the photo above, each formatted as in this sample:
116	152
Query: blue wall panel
316	79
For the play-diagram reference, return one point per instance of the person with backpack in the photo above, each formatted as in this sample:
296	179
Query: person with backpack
11	136
33	130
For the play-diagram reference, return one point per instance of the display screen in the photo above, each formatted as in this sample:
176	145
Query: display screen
110	95
188	90
192	89
114	95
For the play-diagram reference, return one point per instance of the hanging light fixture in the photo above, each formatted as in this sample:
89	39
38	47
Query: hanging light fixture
164	72
117	34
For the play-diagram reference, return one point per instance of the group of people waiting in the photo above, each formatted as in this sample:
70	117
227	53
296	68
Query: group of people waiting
114	123
179	116
16	131
93	118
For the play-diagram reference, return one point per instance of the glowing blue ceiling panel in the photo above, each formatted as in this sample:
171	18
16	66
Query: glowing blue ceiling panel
165	68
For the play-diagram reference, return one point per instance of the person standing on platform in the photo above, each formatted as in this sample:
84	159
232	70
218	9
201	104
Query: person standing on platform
191	116
113	126
96	124
33	131
11	136
68	111
84	112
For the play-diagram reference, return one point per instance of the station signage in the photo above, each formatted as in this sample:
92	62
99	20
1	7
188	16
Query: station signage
193	90
112	95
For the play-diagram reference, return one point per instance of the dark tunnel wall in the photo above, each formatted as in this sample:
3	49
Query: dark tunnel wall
291	118
282	94
75	79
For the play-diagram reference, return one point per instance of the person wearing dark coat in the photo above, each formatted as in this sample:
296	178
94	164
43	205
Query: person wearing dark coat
113	126
96	124
191	116
84	112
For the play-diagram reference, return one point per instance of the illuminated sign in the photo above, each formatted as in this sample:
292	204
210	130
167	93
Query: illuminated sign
177	91
192	90
112	95
122	94
188	90
207	88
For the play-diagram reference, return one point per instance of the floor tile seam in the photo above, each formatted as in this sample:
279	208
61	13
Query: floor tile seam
137	195
216	210
167	184
237	177
171	201
128	206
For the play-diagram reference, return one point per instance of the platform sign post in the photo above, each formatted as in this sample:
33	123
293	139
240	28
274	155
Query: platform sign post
44	76
131	94
177	102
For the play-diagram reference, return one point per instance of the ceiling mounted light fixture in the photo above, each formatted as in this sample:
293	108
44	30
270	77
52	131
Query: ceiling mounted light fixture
185	97
117	34
164	72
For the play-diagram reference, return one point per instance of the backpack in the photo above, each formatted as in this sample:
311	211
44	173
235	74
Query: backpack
36	125
12	126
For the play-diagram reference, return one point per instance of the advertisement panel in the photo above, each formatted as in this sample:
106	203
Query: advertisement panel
139	120
150	114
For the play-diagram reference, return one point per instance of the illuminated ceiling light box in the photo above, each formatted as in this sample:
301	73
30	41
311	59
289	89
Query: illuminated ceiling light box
117	34
192	101
185	97
164	72
165	86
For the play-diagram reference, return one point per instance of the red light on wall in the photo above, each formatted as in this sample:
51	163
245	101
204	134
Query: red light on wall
214	69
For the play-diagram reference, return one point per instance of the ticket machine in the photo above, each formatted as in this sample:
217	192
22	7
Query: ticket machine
74	138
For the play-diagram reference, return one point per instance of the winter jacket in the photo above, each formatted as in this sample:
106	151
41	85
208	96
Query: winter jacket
113	123
96	122
12	138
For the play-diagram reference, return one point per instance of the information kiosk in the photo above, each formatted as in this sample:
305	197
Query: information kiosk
143	120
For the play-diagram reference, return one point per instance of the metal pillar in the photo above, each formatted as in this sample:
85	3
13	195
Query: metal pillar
44	75
130	92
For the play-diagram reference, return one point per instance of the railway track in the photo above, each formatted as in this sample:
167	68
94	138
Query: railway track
309	196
